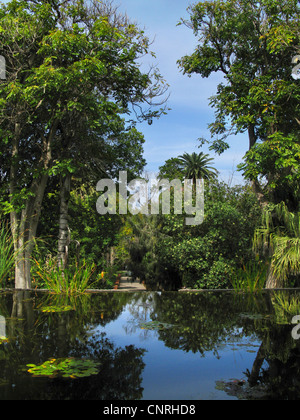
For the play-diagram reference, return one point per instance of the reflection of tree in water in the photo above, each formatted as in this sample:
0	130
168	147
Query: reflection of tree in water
35	337
119	377
275	374
199	323
141	308
208	322
277	364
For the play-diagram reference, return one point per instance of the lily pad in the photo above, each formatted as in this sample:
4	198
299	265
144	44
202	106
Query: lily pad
254	316
155	326
65	368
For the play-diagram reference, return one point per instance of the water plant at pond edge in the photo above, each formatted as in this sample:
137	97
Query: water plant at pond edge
251	278
72	280
65	368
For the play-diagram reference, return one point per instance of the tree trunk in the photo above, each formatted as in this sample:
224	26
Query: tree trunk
257	365
24	222
252	136
24	228
263	201
272	281
255	184
64	232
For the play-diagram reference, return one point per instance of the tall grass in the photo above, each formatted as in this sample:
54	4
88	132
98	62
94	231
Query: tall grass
251	278
70	281
7	254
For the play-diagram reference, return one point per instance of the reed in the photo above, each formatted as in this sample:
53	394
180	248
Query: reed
251	278
70	281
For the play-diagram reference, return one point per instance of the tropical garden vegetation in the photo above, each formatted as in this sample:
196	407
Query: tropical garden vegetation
69	107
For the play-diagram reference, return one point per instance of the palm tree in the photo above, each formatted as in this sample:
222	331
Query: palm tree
280	236
196	166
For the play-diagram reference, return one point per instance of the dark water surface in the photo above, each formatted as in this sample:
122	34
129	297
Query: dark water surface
151	345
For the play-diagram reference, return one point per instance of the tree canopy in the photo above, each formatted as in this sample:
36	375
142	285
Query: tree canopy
252	43
72	78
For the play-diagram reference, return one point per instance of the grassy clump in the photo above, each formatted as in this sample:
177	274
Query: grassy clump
251	278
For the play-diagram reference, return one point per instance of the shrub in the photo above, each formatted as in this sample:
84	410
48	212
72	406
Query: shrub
219	275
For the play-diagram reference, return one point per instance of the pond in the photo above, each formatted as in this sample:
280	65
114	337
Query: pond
149	346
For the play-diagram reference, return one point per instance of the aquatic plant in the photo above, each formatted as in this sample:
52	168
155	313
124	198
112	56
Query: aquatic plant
70	281
65	368
251	278
155	326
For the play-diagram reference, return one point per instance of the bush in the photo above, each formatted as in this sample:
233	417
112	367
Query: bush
219	275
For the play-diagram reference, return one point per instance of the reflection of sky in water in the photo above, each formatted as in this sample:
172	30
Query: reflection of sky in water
169	373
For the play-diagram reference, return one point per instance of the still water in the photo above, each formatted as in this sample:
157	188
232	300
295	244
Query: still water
151	346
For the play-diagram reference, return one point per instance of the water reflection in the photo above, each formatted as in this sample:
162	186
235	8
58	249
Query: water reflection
203	329
214	322
35	336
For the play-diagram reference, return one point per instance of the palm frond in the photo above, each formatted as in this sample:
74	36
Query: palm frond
286	257
197	166
280	236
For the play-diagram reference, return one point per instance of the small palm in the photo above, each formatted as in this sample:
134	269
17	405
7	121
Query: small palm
197	166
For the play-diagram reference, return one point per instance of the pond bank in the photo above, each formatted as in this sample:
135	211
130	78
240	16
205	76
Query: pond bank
136	287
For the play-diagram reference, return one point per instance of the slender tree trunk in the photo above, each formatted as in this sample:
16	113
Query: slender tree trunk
64	235
257	365
272	281
24	229
255	184
252	136
24	222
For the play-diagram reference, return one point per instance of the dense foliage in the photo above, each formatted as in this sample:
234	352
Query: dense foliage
73	94
72	75
168	254
252	43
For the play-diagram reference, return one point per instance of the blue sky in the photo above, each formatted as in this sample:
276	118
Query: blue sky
190	114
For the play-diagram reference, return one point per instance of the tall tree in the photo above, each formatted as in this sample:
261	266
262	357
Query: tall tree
63	63
252	44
